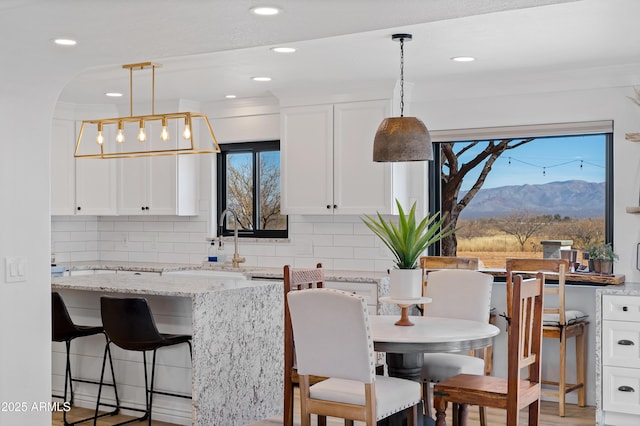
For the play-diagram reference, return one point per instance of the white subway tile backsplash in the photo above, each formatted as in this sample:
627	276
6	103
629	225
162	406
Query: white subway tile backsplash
333	228
190	248
136	256
179	258
301	228
60	236
82	236
338	242
128	226
354	264
353	240
158	226
190	227
333	252
177	237
69	246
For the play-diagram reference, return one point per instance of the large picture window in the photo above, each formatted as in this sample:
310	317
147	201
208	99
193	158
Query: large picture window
509	193
249	185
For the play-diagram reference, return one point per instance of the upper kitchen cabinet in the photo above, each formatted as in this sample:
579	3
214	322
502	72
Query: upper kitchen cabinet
327	165
160	185
95	183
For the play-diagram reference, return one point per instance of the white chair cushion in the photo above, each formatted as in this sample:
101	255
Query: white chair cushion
571	317
439	367
459	293
392	394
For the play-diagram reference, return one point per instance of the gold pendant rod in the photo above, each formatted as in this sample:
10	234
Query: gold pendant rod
153	90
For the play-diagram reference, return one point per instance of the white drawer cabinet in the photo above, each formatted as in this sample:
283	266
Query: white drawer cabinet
367	290
620	360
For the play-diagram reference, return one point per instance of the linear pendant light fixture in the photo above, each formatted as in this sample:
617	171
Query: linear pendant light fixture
402	138
144	135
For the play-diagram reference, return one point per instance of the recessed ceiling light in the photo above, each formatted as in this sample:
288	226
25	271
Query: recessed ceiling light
265	10
261	78
113	94
463	58
65	42
283	49
230	96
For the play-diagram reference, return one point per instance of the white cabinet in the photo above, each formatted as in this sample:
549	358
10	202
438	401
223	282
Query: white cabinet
163	185
327	165
160	185
96	185
620	360
79	186
63	135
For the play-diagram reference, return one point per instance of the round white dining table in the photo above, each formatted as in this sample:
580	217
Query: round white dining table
404	345
430	334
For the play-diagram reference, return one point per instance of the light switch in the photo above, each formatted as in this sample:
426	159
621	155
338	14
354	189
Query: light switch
15	269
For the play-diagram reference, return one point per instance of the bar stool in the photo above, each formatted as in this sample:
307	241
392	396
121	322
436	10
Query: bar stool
129	324
64	330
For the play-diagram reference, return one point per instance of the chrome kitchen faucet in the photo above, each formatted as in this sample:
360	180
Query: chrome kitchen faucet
236	260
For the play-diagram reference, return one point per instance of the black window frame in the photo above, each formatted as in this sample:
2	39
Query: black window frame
435	193
255	148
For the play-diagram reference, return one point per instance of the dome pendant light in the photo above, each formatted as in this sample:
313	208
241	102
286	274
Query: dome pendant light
402	138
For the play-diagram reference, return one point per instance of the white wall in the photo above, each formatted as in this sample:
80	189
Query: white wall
25	351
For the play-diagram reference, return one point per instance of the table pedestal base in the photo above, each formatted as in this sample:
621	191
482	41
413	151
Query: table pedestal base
406	366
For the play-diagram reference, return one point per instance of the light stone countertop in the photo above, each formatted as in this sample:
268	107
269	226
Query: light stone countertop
167	285
248	271
626	289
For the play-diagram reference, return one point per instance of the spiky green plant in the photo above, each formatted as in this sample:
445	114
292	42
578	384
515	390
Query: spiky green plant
408	239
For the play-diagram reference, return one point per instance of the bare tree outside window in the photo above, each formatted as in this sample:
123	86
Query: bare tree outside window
249	182
505	196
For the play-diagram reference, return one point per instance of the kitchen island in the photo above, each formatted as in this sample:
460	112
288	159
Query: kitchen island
236	371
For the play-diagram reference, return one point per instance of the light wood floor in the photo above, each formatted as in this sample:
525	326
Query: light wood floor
575	416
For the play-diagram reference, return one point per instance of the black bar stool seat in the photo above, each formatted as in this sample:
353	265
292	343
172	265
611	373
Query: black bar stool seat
63	329
129	324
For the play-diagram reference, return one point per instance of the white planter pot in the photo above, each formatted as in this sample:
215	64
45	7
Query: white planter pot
406	284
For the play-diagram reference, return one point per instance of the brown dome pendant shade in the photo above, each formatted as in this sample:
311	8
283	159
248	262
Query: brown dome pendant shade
402	138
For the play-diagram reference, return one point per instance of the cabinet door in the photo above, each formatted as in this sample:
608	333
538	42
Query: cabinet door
151	185
96	185
307	160
360	184
63	142
132	186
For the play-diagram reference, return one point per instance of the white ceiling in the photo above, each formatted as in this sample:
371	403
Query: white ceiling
211	48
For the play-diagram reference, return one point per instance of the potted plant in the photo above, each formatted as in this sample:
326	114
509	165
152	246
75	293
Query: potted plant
601	258
408	240
607	257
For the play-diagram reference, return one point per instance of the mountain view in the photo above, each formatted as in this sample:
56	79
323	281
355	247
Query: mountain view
573	198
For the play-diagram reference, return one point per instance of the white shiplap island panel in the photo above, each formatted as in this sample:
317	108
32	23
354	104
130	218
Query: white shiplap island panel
237	341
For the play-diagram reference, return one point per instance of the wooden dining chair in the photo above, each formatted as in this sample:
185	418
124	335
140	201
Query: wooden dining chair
524	350
460	294
333	339
559	323
296	279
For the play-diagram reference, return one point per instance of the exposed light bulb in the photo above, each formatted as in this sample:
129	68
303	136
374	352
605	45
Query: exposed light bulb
120	135
141	134
99	138
164	134
187	129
